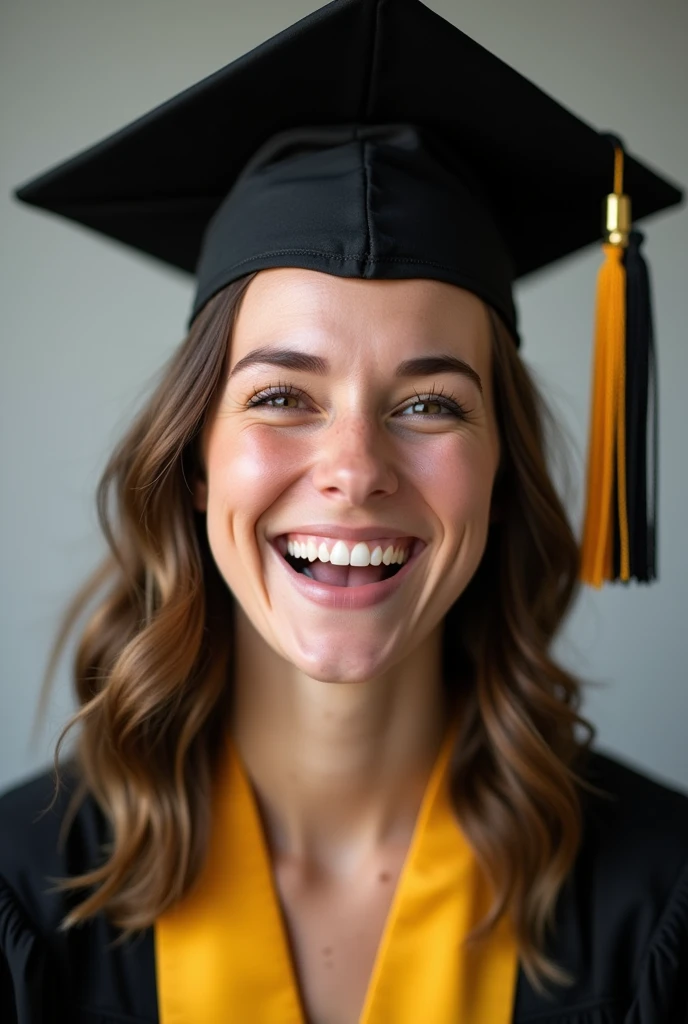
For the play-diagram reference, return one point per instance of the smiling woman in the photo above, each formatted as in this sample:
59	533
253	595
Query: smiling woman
359	426
361	437
327	769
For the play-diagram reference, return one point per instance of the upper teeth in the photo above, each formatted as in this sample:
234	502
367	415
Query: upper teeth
339	553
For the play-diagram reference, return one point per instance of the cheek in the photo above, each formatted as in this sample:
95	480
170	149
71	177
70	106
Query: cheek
245	472
458	482
456	477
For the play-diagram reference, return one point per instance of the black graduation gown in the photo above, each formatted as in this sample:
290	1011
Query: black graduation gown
622	917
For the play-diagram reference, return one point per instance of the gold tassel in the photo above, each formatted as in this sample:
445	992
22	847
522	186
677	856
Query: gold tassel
606	508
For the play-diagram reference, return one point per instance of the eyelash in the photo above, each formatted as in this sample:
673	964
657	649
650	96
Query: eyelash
447	401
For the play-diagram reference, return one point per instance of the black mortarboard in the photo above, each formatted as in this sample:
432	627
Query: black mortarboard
371	139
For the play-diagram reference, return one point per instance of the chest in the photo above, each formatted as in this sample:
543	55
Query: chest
335	931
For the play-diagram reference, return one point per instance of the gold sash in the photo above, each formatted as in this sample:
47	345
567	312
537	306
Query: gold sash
222	953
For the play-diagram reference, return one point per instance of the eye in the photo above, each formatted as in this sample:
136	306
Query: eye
447	401
274	391
283	391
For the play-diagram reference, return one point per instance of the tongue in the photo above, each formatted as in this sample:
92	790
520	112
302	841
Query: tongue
346	575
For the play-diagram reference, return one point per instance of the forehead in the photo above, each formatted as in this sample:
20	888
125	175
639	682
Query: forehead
354	318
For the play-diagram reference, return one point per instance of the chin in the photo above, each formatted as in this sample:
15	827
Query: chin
341	666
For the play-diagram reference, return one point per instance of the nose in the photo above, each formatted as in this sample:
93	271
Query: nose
354	462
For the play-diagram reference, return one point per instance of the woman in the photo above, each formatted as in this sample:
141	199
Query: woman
327	769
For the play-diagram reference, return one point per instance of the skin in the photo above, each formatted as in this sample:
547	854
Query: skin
339	715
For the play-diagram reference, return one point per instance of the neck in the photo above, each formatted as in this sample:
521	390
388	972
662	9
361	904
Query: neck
338	769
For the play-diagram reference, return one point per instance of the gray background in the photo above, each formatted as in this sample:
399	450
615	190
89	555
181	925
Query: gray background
86	324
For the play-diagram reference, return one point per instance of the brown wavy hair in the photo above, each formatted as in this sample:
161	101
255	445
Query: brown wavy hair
152	666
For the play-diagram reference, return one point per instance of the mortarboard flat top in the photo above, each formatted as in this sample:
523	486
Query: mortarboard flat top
539	171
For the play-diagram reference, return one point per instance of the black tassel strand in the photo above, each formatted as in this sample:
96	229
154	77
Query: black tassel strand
641	415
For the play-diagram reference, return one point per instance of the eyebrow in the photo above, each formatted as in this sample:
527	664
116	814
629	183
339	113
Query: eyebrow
292	359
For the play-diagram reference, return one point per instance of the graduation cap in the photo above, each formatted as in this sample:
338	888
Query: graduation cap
374	139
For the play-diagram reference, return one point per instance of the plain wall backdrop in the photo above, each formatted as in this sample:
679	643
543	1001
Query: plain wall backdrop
86	324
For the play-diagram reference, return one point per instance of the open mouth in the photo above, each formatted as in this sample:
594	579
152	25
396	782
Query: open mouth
342	575
346	577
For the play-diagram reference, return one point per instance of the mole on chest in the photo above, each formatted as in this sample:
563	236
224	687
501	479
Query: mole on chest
334	934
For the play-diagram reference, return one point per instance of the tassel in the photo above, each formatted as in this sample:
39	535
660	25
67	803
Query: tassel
620	530
641	414
606	517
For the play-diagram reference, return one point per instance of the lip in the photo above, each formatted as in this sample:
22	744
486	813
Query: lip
346	533
348	598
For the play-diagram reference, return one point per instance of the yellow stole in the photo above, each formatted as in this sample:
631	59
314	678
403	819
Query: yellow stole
222	953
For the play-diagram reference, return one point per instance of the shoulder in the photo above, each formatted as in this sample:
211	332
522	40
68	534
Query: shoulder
634	867
26	815
636	829
621	928
47	834
630	782
44	836
622	916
